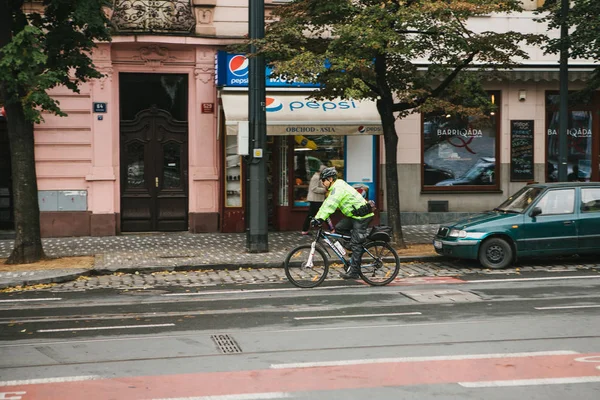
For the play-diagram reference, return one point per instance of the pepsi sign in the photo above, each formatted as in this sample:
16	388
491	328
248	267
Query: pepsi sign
273	104
232	70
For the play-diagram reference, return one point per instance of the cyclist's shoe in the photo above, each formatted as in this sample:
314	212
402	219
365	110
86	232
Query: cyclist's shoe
351	274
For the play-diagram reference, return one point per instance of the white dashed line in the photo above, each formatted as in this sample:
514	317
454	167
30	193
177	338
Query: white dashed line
100	328
51	380
358	316
22	300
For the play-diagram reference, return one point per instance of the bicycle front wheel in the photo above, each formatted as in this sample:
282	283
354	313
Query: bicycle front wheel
305	271
381	266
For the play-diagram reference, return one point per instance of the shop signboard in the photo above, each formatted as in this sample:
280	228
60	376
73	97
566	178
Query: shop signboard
232	70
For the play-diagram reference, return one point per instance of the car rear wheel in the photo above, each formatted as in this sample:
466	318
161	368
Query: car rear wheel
495	253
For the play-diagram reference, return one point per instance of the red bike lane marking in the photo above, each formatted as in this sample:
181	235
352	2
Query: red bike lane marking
357	376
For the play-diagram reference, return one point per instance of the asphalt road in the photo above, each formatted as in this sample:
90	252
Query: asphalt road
526	337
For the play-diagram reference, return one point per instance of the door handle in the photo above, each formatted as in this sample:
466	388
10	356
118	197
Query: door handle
156	181
569	222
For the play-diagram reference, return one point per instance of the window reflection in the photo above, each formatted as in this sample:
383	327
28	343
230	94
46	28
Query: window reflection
135	165
579	146
459	150
172	165
310	152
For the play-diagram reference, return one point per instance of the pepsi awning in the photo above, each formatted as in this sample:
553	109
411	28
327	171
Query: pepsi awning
294	114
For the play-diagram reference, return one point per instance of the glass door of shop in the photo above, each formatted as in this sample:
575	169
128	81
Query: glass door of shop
583	140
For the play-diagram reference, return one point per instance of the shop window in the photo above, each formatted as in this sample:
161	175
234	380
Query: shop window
461	152
233	173
579	142
310	152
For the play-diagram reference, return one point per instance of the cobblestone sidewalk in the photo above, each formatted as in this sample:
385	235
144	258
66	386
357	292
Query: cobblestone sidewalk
195	280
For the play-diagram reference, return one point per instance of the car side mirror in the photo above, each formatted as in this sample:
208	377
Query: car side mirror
535	212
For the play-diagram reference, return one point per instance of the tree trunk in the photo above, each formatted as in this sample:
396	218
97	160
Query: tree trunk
28	243
392	194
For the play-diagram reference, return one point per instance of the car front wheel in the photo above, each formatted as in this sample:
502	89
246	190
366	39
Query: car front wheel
495	253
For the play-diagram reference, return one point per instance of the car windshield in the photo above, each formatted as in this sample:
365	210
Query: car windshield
520	200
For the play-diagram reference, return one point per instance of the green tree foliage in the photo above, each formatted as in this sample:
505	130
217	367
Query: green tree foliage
40	51
407	55
583	20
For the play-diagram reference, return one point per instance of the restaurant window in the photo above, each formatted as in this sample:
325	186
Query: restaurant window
310	152
460	152
579	142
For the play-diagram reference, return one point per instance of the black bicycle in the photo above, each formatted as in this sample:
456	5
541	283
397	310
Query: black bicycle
307	265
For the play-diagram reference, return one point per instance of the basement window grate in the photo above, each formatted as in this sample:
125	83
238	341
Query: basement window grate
226	344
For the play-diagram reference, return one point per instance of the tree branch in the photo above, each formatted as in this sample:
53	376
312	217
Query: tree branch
438	90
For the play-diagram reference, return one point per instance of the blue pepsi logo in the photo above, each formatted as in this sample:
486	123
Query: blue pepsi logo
238	65
272	104
362	129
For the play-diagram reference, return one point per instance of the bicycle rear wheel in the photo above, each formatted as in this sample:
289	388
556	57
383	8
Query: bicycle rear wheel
304	271
381	268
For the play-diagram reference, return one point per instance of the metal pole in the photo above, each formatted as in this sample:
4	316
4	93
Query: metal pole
563	113
257	240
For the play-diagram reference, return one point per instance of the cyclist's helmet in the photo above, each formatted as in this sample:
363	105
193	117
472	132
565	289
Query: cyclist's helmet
329	173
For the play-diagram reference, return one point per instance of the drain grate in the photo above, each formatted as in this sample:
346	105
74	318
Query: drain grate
226	344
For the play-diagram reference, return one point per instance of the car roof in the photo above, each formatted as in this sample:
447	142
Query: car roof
564	184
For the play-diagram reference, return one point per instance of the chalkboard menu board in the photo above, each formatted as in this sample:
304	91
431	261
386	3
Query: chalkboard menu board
521	150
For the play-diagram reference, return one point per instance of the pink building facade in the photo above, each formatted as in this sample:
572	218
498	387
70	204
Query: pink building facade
80	154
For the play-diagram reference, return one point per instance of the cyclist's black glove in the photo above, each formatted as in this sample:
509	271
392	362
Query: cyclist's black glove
316	222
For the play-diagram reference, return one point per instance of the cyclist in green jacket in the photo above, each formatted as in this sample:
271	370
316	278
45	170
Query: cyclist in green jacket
357	212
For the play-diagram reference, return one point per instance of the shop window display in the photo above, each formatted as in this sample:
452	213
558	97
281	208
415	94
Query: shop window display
460	151
310	152
233	174
579	143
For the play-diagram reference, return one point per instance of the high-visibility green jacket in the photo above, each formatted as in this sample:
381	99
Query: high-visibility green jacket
344	197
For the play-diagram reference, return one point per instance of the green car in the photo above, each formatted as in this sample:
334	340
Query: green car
539	220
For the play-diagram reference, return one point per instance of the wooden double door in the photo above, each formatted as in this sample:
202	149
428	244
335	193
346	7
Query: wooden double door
154	172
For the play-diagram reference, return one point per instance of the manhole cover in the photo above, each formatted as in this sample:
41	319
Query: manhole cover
442	296
226	344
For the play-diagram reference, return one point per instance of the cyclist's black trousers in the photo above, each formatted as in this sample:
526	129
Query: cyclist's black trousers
357	229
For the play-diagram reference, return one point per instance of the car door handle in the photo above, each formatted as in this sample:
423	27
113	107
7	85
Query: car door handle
569	222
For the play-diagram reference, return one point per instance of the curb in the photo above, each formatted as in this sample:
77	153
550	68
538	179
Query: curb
238	265
40	281
149	269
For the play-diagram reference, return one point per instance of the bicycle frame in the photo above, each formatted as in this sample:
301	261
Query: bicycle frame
326	236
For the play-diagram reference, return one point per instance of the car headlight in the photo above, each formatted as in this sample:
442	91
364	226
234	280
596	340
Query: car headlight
457	233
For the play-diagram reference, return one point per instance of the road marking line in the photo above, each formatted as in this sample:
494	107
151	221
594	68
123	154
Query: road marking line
548	278
104	327
51	380
566	307
421	359
249	396
531	382
253	291
21	300
357	316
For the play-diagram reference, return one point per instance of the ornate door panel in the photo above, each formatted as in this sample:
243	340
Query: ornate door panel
154	194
